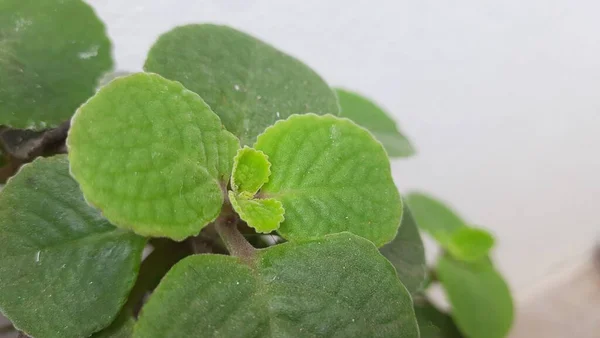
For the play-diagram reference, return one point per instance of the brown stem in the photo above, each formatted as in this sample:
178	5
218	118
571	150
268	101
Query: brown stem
236	243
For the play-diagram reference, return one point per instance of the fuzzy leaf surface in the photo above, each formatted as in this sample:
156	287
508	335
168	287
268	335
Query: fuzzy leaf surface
152	156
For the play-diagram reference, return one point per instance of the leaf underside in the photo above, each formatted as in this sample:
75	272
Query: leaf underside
407	254
152	156
52	54
248	83
331	176
333	287
64	270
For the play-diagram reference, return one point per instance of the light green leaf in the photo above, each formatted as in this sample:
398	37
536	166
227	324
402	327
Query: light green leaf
435	324
407	254
434	217
64	270
264	215
248	83
331	176
482	306
52	54
462	242
367	114
470	244
332	287
152	156
251	169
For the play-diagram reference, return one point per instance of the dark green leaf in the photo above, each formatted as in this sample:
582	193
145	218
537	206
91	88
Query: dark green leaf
339	286
482	306
64	270
367	114
435	324
122	327
52	54
248	83
407	254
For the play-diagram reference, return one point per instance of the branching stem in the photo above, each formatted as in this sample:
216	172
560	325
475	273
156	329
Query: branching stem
235	242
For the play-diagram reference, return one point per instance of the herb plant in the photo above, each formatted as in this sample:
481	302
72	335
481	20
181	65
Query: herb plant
226	191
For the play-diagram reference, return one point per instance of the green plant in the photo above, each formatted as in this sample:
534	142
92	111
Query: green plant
268	211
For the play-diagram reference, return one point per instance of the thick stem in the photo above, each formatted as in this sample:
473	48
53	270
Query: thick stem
236	243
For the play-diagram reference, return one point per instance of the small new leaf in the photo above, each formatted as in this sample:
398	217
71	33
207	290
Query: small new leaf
251	169
482	306
64	270
247	82
470	244
448	229
367	114
264	215
331	176
52	54
331	287
152	156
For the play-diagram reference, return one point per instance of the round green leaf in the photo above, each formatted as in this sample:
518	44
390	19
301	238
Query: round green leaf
52	54
407	255
264	215
64	270
339	286
251	169
482	306
434	217
248	83
367	114
152	156
470	244
331	176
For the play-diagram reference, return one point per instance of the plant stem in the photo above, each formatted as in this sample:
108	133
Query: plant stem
236	243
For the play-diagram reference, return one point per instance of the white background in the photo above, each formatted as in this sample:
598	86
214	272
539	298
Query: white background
501	98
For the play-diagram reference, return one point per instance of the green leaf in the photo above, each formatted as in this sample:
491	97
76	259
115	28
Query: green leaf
152	156
407	255
435	324
52	54
332	287
264	215
64	270
251	169
331	176
248	83
434	217
462	242
470	244
482	306
367	114
120	328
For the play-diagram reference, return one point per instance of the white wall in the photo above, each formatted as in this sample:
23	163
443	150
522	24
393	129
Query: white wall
502	99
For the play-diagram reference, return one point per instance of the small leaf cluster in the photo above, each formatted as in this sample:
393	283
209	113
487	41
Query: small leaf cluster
225	191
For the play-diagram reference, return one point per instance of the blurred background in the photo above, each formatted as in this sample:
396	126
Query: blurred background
500	98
